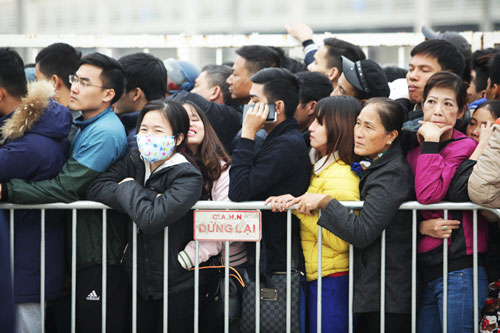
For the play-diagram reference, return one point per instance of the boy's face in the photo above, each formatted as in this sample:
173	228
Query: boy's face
421	68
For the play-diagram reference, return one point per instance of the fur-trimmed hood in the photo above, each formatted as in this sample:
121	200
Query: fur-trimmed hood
38	113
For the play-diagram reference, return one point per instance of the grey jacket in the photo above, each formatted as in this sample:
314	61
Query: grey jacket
384	186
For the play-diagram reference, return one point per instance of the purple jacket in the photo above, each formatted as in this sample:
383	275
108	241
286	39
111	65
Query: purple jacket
434	165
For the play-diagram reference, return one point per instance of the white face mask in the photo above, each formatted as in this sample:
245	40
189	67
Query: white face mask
155	148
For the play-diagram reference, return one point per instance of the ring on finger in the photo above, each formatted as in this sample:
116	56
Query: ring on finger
444	227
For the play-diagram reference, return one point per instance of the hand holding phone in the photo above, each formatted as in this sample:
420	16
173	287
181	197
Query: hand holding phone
271	116
254	117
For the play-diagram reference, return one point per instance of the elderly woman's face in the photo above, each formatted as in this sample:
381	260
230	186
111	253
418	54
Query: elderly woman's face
370	135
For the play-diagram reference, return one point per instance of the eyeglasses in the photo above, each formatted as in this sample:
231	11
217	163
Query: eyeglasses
73	79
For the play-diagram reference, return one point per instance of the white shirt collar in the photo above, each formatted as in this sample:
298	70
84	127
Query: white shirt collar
324	162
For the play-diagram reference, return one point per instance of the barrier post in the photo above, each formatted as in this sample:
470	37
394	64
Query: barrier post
135	230
104	268
319	313
73	270
445	280
414	272
42	270
382	283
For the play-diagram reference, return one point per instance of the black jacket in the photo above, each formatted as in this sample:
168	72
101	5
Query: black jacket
384	186
225	119
180	187
280	166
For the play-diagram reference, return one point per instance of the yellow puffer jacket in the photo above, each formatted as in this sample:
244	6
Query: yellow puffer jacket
338	181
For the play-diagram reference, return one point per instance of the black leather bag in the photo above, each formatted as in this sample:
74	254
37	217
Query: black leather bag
272	304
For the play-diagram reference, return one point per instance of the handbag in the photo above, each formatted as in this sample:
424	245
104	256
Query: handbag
212	312
272	304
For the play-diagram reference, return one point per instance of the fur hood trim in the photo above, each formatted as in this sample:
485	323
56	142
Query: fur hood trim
29	112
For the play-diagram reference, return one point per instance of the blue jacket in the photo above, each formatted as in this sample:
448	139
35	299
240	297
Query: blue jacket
34	148
7	316
99	142
280	166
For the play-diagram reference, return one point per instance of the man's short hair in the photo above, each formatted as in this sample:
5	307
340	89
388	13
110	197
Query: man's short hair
313	86
147	72
59	59
279	84
12	77
494	69
446	54
480	60
217	76
258	57
336	48
112	76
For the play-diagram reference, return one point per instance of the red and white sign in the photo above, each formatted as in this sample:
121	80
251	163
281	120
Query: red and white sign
227	225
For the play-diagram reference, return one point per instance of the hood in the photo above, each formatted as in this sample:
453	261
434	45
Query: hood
38	113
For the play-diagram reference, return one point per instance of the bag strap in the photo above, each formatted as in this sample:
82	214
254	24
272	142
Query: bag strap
236	274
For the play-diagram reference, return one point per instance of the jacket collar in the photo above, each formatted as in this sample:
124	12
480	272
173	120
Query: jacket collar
285	126
392	153
178	158
323	162
80	122
129	120
29	112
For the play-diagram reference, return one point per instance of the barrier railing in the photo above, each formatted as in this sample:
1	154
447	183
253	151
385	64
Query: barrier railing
211	205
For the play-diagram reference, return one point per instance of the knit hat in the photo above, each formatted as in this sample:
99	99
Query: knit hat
367	76
181	75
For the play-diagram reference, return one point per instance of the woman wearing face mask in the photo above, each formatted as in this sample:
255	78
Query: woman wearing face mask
442	149
331	140
156	187
385	183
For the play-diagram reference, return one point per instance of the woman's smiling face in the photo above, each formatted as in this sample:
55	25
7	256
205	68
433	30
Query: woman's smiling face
196	132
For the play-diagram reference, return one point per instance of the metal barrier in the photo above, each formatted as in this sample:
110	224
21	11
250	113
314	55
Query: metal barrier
211	205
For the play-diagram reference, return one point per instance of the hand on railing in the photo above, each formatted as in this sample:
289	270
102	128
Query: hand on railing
279	203
308	202
438	228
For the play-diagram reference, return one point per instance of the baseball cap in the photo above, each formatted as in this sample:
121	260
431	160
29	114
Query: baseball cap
367	76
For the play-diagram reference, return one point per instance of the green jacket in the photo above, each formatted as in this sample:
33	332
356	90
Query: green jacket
98	143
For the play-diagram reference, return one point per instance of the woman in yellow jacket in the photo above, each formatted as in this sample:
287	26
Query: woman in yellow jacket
332	142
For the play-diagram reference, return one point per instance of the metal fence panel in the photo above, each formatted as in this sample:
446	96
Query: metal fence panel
413	206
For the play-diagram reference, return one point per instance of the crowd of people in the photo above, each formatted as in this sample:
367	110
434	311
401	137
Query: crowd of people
150	138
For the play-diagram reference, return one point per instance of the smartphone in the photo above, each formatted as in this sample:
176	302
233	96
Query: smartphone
271	117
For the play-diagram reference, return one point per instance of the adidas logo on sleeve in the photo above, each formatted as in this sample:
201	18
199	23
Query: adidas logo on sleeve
93	296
